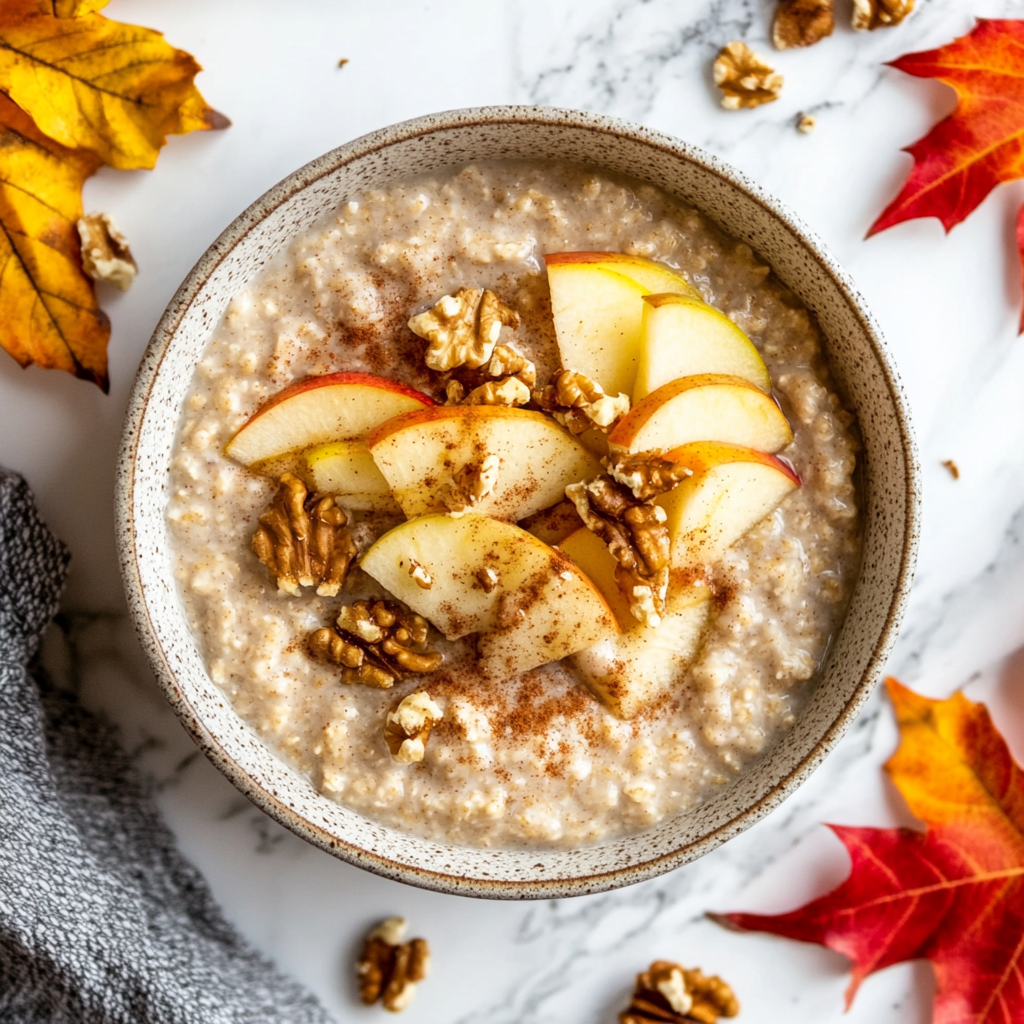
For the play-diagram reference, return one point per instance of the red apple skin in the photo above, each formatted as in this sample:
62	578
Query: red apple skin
630	425
700	456
444	412
369	380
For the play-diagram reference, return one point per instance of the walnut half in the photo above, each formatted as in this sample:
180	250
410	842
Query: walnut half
746	79
580	404
637	539
408	727
375	644
390	969
670	994
802	23
105	252
463	328
871	14
303	541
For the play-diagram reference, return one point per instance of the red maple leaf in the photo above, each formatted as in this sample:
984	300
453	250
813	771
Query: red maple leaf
953	894
980	144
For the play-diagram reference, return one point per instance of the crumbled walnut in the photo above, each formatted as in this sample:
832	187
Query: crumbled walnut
871	14
637	538
376	643
302	540
420	576
510	391
471	484
579	403
953	468
407	728
487	578
463	328
669	994
455	392
507	362
805	123
802	22
388	968
646	474
746	80
105	252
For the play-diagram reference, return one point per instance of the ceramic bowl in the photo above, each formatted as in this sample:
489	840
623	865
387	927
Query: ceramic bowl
864	374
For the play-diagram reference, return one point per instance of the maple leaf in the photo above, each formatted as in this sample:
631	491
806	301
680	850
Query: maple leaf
980	144
72	8
92	83
1020	252
953	894
48	309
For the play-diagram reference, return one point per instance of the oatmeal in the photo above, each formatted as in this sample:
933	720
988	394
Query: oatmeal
534	760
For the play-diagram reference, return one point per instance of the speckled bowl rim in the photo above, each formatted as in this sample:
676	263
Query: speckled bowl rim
275	806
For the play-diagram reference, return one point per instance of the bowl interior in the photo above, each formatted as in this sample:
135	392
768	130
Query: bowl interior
861	368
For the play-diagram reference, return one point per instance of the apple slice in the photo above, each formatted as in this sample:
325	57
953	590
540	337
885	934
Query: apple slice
421	453
705	407
347	469
682	336
335	407
473	573
597	315
655	277
731	490
634	669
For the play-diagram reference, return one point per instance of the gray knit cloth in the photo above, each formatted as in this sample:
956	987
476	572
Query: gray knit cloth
101	919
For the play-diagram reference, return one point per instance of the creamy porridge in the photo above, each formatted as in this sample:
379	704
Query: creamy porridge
535	760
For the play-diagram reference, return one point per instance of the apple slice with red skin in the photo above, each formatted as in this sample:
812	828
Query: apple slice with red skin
597	314
649	274
706	406
474	574
641	665
334	407
419	454
681	336
731	490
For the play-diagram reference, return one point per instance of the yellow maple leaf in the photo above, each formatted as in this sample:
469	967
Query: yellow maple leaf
92	83
72	8
48	309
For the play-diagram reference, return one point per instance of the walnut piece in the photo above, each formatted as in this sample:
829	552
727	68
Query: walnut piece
580	404
510	391
871	14
471	484
637	538
802	23
646	474
375	644
388	968
105	252
670	994
507	362
806	123
303	541
463	328
407	728
746	80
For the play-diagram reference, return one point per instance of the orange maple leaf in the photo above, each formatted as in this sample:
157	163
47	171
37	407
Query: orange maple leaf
980	144
953	894
92	83
48	309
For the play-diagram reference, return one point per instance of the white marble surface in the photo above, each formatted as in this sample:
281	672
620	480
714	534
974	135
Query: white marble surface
949	306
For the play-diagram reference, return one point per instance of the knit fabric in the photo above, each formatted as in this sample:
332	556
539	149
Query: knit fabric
101	918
